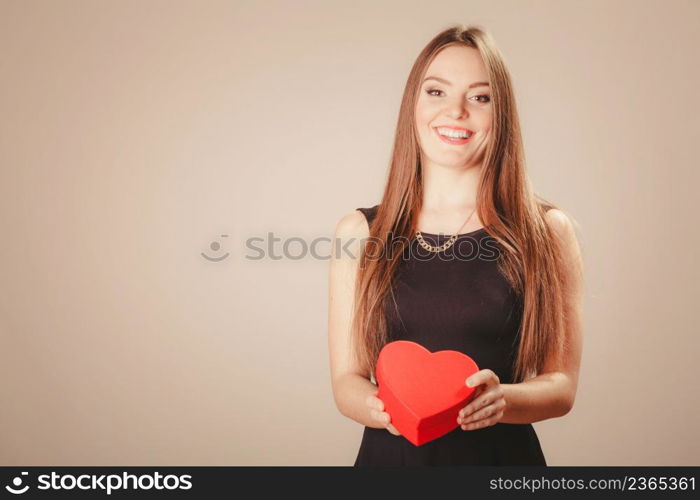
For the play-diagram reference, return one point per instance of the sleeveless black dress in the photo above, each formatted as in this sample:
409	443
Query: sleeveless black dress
464	304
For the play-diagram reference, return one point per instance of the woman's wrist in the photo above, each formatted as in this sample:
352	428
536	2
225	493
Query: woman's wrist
353	391
539	398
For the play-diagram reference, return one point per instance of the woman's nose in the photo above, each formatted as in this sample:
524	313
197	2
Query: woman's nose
458	109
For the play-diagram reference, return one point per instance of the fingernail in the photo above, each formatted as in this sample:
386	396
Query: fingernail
470	383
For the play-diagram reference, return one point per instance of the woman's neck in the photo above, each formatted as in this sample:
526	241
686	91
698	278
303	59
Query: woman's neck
448	189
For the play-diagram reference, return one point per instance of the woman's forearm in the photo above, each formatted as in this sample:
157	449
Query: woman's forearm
546	396
539	398
350	397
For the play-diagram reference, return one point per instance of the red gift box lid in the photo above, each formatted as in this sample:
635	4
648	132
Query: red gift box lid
423	391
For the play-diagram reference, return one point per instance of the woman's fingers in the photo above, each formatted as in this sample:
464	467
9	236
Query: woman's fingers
374	402
486	398
484	393
488	404
485	376
488	410
377	413
376	410
380	416
475	403
393	430
485	422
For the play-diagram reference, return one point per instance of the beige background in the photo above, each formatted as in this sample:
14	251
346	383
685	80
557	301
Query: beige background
134	134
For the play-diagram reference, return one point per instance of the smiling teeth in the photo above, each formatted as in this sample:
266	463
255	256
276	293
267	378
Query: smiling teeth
455	134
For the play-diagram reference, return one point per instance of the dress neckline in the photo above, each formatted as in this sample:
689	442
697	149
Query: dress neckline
448	235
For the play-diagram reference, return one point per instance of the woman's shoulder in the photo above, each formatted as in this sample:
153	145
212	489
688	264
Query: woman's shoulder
369	213
563	226
560	222
356	222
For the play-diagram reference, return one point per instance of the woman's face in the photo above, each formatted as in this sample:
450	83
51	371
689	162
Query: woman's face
454	95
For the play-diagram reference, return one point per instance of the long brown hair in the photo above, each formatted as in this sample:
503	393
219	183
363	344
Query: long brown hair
506	205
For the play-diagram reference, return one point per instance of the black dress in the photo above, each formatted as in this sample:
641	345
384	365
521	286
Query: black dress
464	304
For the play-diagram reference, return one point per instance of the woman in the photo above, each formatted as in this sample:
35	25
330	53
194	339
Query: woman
458	168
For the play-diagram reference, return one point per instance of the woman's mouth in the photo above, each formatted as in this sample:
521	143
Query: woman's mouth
454	136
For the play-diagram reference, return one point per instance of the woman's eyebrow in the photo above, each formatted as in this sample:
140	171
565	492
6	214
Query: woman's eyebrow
446	82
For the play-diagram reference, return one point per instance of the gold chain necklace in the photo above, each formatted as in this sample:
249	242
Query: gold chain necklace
445	245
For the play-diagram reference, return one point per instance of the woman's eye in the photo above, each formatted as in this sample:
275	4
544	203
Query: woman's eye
486	98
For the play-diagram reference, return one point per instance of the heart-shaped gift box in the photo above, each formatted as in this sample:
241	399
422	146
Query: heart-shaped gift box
423	391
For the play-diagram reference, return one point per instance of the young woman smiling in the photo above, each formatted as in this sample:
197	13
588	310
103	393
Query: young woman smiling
457	176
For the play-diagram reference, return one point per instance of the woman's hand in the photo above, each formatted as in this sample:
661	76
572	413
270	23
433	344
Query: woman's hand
487	405
376	409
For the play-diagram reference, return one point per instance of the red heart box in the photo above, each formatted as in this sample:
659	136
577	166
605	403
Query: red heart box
423	391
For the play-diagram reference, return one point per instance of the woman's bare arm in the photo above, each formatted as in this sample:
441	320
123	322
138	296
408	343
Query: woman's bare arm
552	392
351	387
